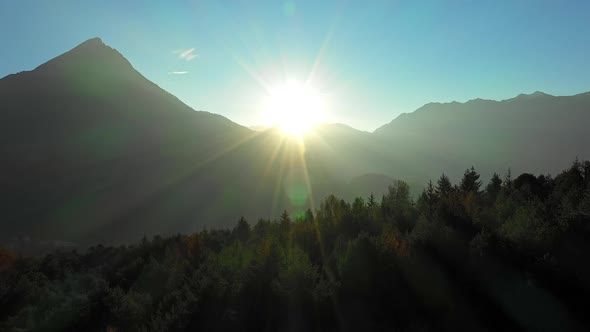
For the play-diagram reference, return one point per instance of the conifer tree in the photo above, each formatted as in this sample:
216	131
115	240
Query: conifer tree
494	187
371	203
508	180
285	220
470	181
443	186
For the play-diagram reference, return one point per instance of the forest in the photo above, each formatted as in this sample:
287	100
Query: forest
511	254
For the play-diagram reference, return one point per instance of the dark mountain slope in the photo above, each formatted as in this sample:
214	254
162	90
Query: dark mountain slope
85	137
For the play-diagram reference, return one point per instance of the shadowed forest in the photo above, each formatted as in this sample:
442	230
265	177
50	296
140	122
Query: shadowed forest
510	254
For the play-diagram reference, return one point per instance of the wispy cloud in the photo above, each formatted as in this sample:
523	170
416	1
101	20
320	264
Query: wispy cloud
178	72
188	54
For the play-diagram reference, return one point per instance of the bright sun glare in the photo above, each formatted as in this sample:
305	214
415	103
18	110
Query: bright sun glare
295	107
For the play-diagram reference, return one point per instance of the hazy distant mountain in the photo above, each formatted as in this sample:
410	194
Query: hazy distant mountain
534	133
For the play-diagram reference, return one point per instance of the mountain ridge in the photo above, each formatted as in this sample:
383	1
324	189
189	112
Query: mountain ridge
522	96
93	150
97	43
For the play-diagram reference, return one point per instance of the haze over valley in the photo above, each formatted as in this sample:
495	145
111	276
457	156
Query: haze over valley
294	166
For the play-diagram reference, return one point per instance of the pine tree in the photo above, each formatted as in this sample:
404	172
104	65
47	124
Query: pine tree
508	180
494	187
285	220
284	226
443	186
470	181
371	203
429	199
242	230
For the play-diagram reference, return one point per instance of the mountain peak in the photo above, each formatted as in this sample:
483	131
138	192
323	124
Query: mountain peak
92	57
533	95
538	93
91	44
96	41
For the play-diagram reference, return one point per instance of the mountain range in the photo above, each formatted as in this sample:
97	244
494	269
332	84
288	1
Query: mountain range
92	151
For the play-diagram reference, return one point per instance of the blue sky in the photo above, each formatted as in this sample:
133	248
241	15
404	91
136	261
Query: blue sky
372	60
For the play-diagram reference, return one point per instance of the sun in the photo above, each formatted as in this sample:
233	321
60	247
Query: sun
295	107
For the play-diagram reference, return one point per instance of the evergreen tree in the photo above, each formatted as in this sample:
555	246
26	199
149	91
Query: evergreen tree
284	226
371	203
398	205
358	206
242	230
494	186
285	220
428	199
443	186
508	180
470	181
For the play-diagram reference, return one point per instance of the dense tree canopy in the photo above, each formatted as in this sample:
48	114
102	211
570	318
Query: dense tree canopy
513	256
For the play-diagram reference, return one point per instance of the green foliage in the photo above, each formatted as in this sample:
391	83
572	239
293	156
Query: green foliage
470	181
457	259
296	273
235	258
526	226
127	309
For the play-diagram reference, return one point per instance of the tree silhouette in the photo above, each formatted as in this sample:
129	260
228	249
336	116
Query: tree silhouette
285	220
494	186
372	202
470	181
429	199
242	230
443	186
508	180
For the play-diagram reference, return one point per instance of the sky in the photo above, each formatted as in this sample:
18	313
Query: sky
369	60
